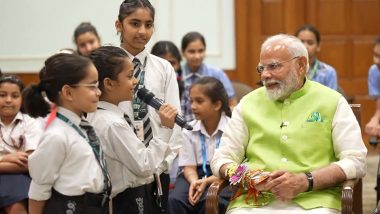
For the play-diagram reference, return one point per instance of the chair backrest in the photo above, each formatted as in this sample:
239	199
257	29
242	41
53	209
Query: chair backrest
356	108
241	89
358	189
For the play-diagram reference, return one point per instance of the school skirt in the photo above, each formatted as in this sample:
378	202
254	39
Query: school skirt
13	188
137	200
89	203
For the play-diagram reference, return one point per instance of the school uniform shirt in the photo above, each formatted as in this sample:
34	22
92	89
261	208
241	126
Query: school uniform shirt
65	161
129	162
160	78
324	74
190	77
22	126
191	152
374	81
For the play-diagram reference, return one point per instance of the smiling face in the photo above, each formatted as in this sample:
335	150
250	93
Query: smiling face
84	95
309	39
194	54
87	42
10	101
286	78
136	30
123	86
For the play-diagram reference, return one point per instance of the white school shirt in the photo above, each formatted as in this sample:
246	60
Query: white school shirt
191	152
160	78
27	126
65	161
130	163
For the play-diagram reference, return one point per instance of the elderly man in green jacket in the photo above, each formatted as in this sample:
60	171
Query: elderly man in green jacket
301	137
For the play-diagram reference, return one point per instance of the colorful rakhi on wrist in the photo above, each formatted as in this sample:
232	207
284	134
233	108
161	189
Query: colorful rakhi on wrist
246	179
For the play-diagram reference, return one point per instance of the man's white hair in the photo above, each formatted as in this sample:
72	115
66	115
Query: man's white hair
293	44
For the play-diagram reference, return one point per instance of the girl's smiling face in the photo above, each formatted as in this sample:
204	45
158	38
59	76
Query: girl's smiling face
194	54
125	83
136	30
87	42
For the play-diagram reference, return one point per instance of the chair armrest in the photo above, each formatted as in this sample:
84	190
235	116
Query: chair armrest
348	192
349	186
212	197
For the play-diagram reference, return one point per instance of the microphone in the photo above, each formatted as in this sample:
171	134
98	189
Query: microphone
284	124
150	99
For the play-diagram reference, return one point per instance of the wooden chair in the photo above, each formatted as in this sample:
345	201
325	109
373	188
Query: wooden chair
351	193
241	89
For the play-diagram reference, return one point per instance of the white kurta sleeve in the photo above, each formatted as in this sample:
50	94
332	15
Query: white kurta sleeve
233	142
348	142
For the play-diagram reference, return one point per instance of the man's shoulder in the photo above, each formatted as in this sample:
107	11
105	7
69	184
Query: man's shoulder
318	88
256	93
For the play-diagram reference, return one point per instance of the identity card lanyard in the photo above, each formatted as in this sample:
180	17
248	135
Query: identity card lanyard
313	70
18	146
66	120
204	154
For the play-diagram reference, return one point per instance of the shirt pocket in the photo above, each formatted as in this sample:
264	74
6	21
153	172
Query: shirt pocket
314	130
315	125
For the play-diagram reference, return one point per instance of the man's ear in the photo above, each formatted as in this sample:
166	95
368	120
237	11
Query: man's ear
302	65
66	93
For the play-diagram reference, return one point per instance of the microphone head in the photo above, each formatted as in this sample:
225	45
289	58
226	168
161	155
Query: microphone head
145	95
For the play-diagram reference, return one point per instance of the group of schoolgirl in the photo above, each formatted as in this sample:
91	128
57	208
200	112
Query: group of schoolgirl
197	78
206	97
99	141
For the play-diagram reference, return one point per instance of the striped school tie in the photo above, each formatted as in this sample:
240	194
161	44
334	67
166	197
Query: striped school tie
129	121
140	109
95	145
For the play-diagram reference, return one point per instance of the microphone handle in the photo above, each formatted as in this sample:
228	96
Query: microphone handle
179	120
182	122
156	103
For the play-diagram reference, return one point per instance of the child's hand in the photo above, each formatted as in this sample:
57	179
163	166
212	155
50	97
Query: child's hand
19	158
373	127
167	114
196	190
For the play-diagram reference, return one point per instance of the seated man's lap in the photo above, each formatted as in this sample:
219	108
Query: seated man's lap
279	207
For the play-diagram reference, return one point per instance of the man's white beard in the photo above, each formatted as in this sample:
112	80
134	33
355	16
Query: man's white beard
286	86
